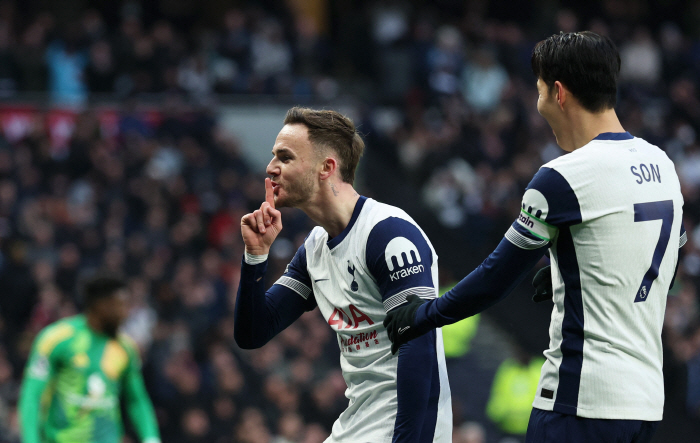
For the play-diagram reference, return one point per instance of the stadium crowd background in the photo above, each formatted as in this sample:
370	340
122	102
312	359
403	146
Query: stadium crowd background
153	187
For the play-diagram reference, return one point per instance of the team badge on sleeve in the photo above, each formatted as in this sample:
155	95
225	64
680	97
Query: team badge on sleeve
533	215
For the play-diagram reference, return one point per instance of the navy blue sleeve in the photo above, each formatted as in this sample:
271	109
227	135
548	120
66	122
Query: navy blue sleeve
681	242
488	284
417	390
684	236
260	315
400	260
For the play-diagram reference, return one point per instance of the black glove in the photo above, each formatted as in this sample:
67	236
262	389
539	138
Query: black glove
399	323
543	285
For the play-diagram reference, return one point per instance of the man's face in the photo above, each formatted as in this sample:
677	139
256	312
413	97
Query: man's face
547	105
546	100
294	167
113	311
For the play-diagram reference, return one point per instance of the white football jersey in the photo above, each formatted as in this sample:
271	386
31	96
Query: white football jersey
355	279
611	212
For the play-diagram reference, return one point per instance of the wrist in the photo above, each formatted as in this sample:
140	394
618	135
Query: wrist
254	258
420	318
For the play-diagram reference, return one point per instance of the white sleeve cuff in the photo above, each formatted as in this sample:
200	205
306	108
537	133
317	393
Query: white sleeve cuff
255	259
152	440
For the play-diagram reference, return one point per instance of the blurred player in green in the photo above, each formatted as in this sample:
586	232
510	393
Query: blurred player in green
79	369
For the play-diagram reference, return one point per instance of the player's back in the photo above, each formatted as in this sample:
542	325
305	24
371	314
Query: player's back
613	261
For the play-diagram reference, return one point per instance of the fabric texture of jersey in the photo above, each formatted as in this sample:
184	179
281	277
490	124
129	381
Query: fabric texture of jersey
611	213
73	383
355	278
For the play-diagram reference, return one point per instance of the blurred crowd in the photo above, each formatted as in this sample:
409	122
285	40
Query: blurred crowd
443	94
135	48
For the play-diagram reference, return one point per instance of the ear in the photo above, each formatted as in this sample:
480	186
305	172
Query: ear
560	94
328	168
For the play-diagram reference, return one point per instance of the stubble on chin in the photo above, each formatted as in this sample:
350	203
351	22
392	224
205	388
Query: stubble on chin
295	194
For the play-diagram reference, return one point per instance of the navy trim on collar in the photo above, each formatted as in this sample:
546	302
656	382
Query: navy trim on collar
335	241
614	136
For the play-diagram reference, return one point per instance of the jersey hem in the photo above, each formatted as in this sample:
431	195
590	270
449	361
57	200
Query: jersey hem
600	413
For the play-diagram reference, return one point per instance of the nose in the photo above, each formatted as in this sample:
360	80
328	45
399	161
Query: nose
272	168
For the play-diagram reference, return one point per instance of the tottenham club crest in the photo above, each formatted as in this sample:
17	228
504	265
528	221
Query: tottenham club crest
351	270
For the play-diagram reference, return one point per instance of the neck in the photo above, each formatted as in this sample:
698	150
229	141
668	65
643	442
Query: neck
333	206
93	322
581	126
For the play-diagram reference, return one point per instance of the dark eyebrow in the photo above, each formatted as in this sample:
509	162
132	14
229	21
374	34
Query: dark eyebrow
282	151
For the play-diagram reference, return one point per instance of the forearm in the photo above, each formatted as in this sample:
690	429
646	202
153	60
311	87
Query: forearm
261	315
488	284
416	394
29	408
140	410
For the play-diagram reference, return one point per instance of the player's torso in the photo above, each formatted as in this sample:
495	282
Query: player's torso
347	294
630	205
84	403
351	303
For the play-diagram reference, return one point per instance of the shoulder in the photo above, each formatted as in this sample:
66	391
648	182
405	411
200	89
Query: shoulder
317	235
583	157
379	210
387	219
655	150
55	334
128	343
131	355
387	215
395	237
551	196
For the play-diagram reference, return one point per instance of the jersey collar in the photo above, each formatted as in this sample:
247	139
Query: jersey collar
614	136
335	241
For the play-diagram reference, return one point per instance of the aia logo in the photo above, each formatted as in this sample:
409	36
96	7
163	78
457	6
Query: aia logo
340	319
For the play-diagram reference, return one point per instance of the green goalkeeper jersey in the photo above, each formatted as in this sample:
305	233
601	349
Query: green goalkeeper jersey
73	383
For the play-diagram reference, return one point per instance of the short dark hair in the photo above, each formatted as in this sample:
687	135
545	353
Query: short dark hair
586	63
101	286
332	130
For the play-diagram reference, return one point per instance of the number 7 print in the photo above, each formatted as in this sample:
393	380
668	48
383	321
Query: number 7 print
660	210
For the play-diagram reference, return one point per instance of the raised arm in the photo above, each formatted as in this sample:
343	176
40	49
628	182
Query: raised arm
261	315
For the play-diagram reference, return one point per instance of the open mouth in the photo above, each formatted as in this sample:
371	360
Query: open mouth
275	188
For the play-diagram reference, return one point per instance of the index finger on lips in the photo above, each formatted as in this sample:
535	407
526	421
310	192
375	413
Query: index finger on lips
269	193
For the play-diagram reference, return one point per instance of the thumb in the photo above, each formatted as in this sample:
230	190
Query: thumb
411	298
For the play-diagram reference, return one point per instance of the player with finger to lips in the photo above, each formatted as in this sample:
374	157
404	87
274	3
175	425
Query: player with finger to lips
363	260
